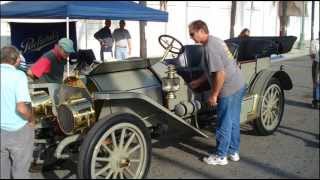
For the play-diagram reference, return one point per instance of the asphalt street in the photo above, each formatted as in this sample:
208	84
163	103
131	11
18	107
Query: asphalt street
291	152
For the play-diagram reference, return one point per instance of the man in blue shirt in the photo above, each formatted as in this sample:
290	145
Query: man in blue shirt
17	122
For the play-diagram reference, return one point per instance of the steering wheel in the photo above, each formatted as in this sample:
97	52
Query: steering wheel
171	44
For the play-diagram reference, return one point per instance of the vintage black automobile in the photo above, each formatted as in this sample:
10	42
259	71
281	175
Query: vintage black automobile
107	116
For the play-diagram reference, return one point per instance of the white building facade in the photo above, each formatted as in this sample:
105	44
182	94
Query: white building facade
261	17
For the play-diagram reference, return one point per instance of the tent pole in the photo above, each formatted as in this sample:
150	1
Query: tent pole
86	22
68	64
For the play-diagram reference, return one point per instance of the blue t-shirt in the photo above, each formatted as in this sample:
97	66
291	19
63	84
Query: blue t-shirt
14	89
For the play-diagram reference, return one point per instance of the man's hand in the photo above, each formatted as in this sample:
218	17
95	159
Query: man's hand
30	74
129	53
32	124
194	84
198	82
313	56
212	100
25	110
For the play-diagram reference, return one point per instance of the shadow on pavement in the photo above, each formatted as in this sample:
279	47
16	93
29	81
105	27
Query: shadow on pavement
308	143
196	146
299	104
65	165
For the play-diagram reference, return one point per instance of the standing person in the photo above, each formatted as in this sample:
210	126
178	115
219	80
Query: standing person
122	40
227	90
17	122
244	33
50	67
314	54
104	37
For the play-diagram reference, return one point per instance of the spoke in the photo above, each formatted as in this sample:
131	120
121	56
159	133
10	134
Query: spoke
264	113
275	103
129	141
129	171
115	175
275	115
265	102
123	132
271	118
103	159
267	119
107	148
121	175
103	170
109	175
135	161
114	140
271	95
134	149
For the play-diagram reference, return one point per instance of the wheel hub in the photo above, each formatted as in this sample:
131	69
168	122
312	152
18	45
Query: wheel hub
123	163
119	161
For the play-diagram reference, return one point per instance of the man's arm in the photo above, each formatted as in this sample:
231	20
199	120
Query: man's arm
97	35
129	46
25	110
197	83
30	74
41	67
217	84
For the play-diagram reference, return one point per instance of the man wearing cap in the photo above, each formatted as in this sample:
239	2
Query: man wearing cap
50	67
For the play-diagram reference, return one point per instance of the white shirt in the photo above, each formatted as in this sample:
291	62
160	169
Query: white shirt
314	49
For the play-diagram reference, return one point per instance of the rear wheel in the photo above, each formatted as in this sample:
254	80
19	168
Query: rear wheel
117	147
271	108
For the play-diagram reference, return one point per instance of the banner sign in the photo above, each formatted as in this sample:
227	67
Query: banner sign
35	39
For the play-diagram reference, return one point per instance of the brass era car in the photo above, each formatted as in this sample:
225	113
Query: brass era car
108	115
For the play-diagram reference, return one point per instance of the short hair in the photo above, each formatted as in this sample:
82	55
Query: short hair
197	25
9	54
122	21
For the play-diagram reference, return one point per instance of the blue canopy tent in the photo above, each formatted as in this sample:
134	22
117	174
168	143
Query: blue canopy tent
114	10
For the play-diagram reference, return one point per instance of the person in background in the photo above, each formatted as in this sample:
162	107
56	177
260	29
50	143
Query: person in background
104	37
122	40
244	33
17	121
227	90
50	67
314	54
23	64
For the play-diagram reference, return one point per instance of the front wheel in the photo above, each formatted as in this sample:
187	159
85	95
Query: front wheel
271	108
117	147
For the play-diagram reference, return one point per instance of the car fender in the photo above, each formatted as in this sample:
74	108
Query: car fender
260	83
126	101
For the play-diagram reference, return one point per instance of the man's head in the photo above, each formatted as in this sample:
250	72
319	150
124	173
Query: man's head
122	23
198	31
107	22
65	47
10	55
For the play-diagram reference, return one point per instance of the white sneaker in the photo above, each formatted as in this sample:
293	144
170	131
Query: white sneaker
215	160
234	157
